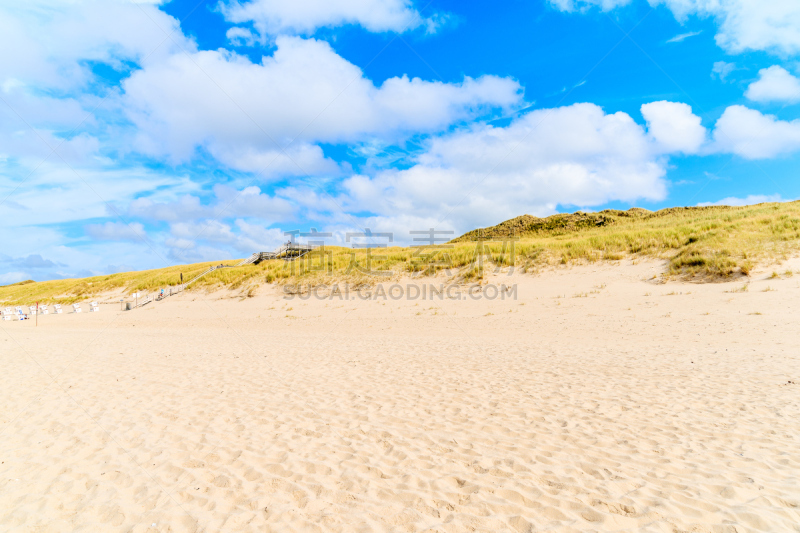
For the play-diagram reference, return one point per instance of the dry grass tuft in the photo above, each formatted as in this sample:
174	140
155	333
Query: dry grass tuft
743	288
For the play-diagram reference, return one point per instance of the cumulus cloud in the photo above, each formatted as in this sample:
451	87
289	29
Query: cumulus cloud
575	155
748	200
250	111
174	102
32	122
185	207
54	42
743	24
243	237
227	202
48	83
272	17
746	24
674	126
116	231
774	84
272	115
211	230
198	229
753	135
239	36
305	91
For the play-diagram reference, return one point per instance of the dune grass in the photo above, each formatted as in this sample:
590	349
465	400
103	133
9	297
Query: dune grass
702	244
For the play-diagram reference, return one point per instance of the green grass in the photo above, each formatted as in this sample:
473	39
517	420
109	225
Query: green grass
701	244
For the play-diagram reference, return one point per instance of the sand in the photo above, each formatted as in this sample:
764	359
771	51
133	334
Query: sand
596	401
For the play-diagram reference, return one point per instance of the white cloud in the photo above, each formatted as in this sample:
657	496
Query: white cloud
295	160
748	200
575	155
193	225
28	241
54	194
7	278
33	261
753	135
683	36
49	85
772	25
239	36
61	258
251	202
195	254
185	208
774	84
211	230
53	40
304	91
583	5
228	202
179	102
722	70
246	239
254	237
273	17
116	231
674	126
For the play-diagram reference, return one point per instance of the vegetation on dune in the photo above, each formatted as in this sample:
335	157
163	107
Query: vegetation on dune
704	243
700	243
67	291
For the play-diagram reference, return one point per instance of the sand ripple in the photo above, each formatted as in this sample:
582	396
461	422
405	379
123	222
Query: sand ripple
547	420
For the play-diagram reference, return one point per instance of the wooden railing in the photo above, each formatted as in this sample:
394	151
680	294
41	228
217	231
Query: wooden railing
288	252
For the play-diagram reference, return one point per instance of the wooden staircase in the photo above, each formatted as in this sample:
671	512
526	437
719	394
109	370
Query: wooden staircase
288	252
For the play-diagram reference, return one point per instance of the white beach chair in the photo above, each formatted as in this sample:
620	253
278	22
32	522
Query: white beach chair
57	309
21	314
93	307
6	314
76	308
33	310
43	310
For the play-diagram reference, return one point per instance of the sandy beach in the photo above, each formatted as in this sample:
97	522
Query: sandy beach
595	401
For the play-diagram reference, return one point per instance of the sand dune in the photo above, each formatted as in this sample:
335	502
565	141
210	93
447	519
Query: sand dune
596	401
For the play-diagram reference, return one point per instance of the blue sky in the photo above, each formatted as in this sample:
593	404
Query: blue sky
143	134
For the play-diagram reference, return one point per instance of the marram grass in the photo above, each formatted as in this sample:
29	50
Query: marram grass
703	244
